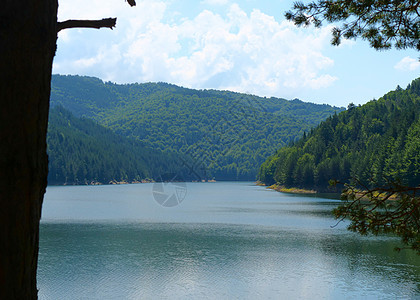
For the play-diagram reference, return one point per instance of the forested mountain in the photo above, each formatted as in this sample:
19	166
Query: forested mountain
373	143
81	151
222	135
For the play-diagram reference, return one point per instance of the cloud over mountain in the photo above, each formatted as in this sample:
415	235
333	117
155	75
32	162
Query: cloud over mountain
246	52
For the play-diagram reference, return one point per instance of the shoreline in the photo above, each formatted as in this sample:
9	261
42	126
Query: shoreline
115	182
283	189
112	182
299	191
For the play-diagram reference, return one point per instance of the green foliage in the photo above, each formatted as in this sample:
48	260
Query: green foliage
374	150
220	134
390	209
81	151
382	23
373	143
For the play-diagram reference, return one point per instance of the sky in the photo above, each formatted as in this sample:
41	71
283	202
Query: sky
244	46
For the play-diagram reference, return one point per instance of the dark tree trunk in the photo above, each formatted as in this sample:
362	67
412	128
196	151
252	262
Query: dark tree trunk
27	47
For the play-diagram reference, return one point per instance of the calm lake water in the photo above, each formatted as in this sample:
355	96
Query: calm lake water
225	240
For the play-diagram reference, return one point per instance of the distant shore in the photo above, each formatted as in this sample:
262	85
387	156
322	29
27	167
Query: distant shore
116	182
93	182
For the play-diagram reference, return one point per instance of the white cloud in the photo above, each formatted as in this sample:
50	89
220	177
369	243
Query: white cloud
408	64
238	51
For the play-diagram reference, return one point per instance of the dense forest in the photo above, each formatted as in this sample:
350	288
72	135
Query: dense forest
83	152
376	143
216	134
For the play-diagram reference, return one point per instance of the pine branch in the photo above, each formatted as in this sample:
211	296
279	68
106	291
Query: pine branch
104	23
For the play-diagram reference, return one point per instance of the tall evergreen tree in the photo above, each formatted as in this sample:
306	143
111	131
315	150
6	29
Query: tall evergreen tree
28	34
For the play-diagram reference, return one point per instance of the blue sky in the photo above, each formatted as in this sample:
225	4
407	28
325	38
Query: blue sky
244	46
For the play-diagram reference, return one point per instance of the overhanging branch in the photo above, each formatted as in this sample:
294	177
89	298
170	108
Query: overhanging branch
104	23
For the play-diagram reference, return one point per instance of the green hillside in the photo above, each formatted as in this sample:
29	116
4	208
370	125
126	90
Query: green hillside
81	151
221	134
376	142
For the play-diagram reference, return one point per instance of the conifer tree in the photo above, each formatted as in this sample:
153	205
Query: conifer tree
383	23
28	34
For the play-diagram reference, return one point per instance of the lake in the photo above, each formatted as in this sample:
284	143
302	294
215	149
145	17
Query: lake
223	240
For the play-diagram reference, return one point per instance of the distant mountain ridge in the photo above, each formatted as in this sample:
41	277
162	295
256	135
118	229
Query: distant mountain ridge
220	134
373	143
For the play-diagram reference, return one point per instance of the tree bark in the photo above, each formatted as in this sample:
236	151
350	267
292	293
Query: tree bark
98	24
27	47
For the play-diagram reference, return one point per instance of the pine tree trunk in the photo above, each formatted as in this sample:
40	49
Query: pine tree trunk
27	47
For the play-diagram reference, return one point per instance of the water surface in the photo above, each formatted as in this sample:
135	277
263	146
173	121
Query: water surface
224	241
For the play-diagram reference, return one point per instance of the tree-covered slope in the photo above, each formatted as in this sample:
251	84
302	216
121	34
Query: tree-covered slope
373	143
222	135
81	151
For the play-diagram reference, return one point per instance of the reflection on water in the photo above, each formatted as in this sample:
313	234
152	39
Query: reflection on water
250	243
